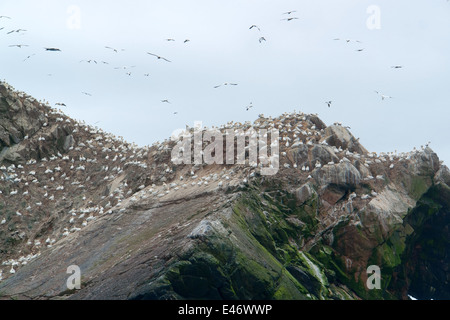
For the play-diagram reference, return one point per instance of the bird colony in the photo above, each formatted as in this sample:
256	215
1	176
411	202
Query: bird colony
61	189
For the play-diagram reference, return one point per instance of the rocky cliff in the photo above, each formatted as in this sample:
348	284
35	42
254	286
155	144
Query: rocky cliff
141	227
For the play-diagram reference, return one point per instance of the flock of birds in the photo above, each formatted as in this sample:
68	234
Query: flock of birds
89	61
286	16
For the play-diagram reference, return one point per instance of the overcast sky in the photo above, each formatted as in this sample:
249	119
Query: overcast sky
299	67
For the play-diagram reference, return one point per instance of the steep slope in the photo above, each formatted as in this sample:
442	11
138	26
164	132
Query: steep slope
141	227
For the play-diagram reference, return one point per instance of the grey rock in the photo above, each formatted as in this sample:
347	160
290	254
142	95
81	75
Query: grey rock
443	176
304	193
343	174
323	154
424	163
299	155
3	90
202	230
340	137
68	142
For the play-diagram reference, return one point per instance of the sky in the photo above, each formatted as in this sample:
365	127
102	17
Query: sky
298	67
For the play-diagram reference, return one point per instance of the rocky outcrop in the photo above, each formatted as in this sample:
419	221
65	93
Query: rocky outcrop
22	117
304	193
344	175
339	136
443	176
141	227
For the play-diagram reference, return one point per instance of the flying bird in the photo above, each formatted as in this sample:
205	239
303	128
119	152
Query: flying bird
397	67
89	61
159	57
18	30
226	84
187	40
165	101
146	74
289	12
249	106
124	67
328	103
170	39
262	39
52	49
254	26
289	19
19	45
383	96
85	93
113	49
4	17
29	57
60	104
359	50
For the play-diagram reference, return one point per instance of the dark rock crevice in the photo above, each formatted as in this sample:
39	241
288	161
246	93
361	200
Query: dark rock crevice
424	272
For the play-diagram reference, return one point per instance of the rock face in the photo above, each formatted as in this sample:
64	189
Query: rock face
140	227
343	175
340	137
21	118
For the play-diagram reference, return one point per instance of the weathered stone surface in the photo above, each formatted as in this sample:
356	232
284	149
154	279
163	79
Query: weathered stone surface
68	142
3	90
443	175
342	174
340	137
389	207
424	163
299	155
304	193
323	154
